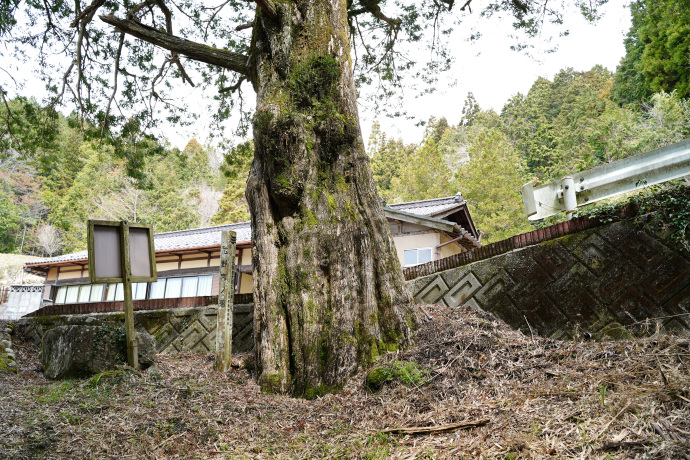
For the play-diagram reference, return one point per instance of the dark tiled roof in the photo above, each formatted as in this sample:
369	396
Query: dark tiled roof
210	236
435	207
169	241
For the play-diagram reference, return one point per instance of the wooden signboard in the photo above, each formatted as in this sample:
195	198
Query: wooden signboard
119	247
120	252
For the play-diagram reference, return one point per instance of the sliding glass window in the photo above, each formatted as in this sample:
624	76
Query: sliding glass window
172	288
189	286
97	292
205	285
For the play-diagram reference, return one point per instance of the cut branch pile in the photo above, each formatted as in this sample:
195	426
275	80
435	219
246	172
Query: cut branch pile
488	392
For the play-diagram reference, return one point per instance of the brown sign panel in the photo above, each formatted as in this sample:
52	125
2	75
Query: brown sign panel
105	259
141	254
108	262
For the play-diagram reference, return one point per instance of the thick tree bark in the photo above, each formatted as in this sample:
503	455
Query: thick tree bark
328	288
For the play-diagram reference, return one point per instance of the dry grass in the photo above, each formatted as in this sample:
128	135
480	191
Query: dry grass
543	398
11	266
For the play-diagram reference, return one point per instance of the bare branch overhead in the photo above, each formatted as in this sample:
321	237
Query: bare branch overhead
199	52
268	7
372	7
89	10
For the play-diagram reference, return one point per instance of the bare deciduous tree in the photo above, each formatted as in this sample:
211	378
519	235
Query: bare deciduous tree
207	204
48	239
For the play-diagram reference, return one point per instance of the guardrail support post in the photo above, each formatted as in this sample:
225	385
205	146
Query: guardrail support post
569	196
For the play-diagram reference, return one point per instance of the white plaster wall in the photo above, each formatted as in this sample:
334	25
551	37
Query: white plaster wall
423	240
22	301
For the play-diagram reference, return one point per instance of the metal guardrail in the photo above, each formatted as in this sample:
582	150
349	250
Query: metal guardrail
605	181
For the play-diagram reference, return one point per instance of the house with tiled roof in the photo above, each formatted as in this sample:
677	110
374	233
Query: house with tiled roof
188	261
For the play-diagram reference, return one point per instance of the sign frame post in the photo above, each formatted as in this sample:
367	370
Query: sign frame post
105	239
226	294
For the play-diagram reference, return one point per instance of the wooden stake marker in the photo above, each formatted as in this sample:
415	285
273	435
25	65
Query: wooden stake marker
226	294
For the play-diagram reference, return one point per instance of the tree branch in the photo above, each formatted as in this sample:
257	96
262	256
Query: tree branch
222	58
233	88
268	7
521	6
248	25
372	6
169	30
114	92
449	3
87	11
9	115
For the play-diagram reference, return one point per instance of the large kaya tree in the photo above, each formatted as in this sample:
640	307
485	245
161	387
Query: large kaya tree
329	292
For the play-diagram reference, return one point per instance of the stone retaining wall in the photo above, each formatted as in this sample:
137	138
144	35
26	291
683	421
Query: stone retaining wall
609	281
180	329
8	363
612	281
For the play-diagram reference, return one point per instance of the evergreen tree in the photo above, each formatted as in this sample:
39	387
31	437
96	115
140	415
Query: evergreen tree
549	125
657	51
490	182
10	221
425	175
233	205
388	157
469	110
436	129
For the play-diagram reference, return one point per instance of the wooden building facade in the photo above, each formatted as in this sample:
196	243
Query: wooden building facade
188	261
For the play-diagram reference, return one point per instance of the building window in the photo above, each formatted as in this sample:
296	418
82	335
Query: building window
172	288
157	289
61	294
164	288
84	293
115	292
189	285
72	294
417	256
97	292
205	285
139	291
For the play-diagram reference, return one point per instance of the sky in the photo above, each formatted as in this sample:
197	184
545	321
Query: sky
489	69
486	67
494	73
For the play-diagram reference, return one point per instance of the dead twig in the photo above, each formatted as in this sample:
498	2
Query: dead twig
621	445
437	428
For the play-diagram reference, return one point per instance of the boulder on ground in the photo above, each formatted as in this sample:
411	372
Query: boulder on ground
82	351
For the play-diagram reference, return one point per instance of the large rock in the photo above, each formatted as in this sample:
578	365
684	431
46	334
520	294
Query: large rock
81	351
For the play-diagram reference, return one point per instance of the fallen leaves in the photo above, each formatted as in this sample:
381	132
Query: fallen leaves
543	398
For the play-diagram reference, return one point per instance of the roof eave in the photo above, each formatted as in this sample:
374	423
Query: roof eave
30	267
432	222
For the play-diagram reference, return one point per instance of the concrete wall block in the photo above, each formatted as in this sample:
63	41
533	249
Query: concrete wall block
462	291
613	281
433	292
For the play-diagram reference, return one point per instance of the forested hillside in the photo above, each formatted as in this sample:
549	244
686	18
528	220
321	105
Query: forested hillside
47	195
56	174
570	123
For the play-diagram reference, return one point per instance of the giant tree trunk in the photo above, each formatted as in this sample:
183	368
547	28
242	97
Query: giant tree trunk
329	291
